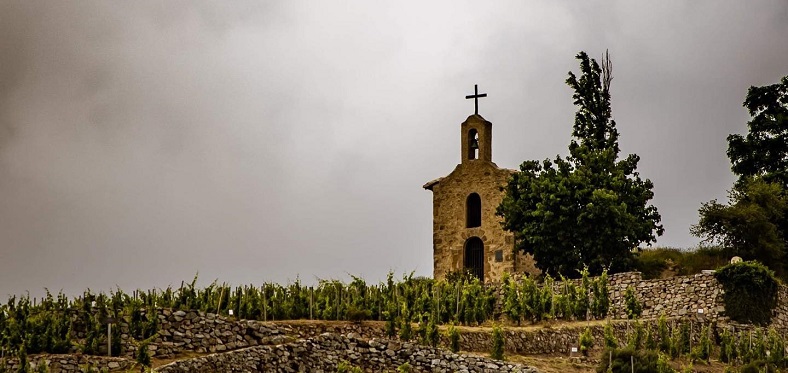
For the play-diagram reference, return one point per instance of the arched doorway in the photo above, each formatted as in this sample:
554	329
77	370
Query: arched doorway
474	257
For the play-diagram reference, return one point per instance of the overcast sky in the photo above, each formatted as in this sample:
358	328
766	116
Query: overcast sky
144	141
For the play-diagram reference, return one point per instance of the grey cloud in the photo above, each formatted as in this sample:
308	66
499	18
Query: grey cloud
142	142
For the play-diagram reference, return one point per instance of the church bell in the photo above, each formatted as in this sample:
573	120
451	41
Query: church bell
475	143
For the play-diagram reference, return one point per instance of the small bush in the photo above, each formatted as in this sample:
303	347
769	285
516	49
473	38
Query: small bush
143	357
653	262
727	347
634	309
610	339
664	334
404	368
586	342
636	337
454	338
644	361
703	349
750	292
357	315
345	367
497	343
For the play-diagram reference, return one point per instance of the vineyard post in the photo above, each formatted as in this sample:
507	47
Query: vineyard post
109	339
632	362
265	305
311	295
221	295
457	314
337	302
438	308
690	337
396	301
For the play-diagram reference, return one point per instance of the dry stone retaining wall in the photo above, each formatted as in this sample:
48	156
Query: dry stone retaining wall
323	353
72	363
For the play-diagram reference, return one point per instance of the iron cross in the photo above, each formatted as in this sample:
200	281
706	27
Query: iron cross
475	96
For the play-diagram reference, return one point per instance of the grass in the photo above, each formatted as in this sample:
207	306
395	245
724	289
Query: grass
663	262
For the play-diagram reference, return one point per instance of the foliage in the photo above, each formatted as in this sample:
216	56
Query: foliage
644	361
727	347
497	343
143	356
600	303
634	309
637	336
586	341
750	292
662	364
589	207
752	225
664	334
454	338
654	261
433	336
345	367
610	339
404	368
703	350
764	150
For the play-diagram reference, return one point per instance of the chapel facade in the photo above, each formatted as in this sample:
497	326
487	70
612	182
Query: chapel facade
466	233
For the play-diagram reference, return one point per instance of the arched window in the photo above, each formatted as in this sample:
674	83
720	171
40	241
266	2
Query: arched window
473	144
473	211
474	257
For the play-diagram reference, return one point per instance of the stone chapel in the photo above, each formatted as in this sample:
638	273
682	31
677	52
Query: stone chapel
466	233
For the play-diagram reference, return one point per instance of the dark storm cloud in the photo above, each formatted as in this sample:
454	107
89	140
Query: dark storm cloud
142	142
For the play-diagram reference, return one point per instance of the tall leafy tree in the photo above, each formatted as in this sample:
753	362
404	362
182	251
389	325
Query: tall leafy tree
591	207
764	150
754	223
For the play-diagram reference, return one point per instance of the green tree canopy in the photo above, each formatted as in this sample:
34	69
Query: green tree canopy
754	223
590	207
764	150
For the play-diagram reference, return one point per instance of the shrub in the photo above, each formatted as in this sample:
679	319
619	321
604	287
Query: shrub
634	309
703	349
143	357
432	336
406	329
357	315
610	339
664	334
727	347
662	364
404	368
454	339
497	343
750	292
391	326
653	262
601	302
636	338
621	361
345	367
586	341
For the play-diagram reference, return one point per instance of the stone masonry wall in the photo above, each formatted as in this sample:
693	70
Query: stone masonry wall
72	363
323	353
680	296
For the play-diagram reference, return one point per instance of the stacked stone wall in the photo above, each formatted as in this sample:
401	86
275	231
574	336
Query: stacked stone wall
72	363
325	352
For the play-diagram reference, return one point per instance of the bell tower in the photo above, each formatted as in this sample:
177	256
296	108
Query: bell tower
476	133
476	139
